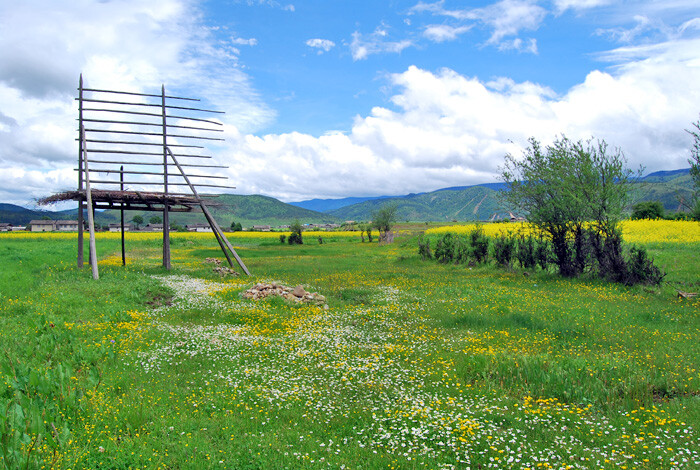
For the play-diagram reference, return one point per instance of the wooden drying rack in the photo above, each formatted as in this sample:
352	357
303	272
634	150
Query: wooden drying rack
118	138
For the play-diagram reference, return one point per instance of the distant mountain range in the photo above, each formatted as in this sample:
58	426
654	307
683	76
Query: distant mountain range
471	203
461	203
329	205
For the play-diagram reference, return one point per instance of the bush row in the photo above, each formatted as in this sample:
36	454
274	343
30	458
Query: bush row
587	252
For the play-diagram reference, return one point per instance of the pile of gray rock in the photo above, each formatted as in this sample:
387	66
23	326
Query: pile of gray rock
293	294
223	271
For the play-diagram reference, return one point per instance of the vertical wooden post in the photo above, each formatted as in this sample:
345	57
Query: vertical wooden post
81	222
91	218
121	181
166	221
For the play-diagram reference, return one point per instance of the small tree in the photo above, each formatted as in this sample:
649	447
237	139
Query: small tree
565	185
647	210
155	220
383	220
137	220
236	226
295	237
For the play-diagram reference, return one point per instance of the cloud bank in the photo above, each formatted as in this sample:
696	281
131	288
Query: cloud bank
445	129
124	45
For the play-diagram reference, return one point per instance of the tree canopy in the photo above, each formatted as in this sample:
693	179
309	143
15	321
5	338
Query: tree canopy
384	219
563	186
694	161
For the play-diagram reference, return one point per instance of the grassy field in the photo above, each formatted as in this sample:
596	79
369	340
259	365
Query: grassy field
413	365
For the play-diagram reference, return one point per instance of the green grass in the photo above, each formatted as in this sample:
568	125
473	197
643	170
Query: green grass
414	364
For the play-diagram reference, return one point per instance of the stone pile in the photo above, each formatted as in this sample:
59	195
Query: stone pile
222	271
294	294
225	271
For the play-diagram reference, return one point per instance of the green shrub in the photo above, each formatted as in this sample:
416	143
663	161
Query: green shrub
445	248
526	251
641	268
648	210
424	248
480	245
462	250
503	249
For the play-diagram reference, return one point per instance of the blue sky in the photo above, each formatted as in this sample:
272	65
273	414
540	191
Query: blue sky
356	98
313	89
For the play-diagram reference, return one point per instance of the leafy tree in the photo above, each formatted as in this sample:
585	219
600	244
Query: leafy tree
383	220
565	185
295	237
365	229
137	220
694	161
155	220
648	210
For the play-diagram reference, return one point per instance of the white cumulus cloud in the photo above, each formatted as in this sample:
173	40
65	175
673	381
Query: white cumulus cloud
323	45
443	32
364	45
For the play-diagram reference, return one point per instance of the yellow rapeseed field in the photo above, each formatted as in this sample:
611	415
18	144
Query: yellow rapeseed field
634	231
145	236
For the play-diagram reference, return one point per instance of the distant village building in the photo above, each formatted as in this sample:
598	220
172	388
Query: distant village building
42	225
262	228
118	227
198	228
52	225
516	218
323	226
153	228
66	225
5	227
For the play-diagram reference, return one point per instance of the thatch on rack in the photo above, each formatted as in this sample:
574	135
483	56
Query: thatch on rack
130	200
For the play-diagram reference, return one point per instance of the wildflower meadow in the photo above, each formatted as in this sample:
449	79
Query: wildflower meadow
409	365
